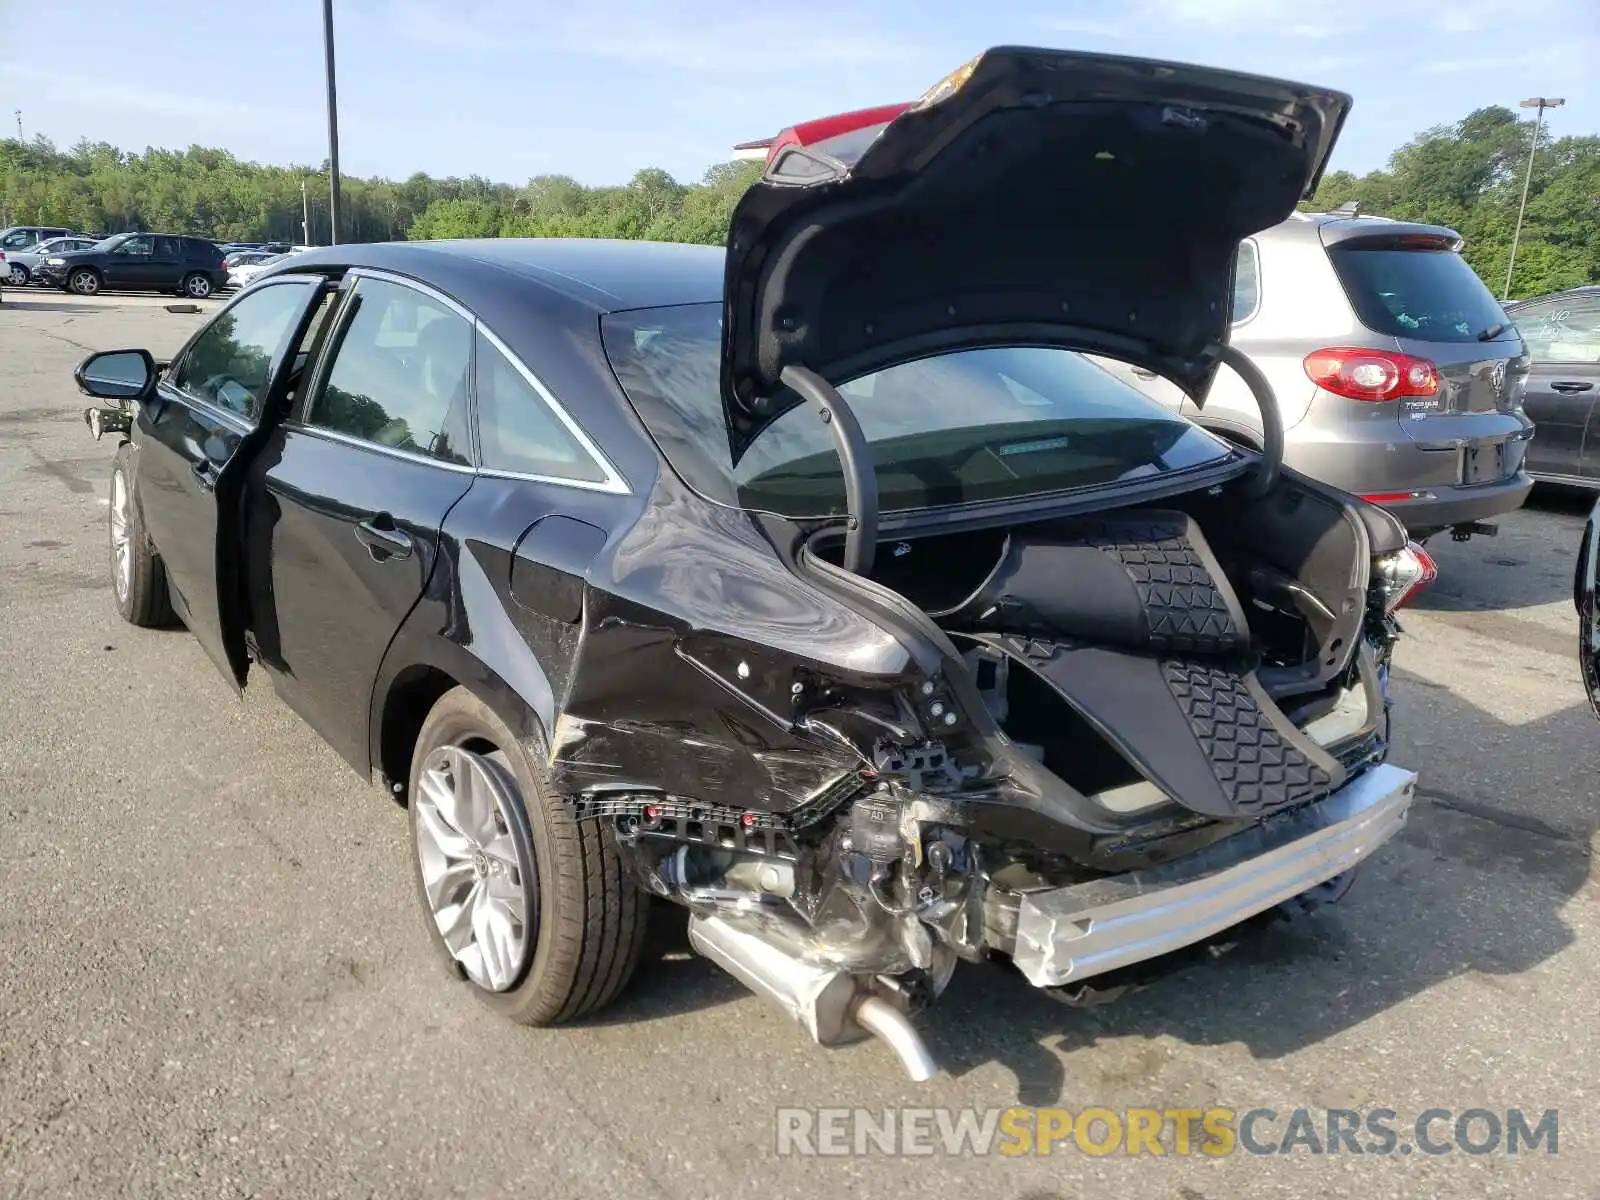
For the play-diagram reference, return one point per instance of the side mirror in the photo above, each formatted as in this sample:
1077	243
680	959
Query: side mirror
117	374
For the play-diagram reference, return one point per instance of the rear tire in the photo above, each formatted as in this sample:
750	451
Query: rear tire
585	920
17	276
196	286
138	580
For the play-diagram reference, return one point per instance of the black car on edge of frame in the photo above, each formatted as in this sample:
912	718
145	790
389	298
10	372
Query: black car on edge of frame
818	586
1562	333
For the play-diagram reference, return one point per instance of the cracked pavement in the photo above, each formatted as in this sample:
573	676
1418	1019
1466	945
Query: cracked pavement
214	981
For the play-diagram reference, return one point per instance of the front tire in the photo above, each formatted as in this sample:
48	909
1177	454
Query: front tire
84	282
138	580
196	286
531	907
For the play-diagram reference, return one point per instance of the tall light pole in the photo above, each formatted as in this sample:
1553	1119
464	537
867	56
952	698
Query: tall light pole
1541	103
333	126
305	215
19	125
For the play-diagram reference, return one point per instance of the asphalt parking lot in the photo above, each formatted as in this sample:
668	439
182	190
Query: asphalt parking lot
214	983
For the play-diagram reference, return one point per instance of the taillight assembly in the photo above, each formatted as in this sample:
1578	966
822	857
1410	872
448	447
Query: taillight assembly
1378	375
1403	574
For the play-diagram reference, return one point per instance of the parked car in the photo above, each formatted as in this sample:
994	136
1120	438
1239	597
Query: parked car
189	266
879	634
1562	332
24	237
1397	374
21	264
250	266
240	257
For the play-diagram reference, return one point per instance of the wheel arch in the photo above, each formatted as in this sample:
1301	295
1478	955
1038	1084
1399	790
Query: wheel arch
410	684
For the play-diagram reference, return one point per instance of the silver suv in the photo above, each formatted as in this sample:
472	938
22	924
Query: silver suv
1398	375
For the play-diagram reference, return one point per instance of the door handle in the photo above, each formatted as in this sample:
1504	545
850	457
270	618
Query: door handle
382	540
205	471
1568	387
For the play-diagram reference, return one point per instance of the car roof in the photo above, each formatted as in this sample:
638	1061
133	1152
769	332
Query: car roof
1583	289
1334	227
603	275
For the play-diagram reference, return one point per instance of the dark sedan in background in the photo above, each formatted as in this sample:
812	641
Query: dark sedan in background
1562	333
183	265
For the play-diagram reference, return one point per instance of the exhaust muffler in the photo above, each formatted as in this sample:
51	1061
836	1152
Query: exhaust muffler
832	1005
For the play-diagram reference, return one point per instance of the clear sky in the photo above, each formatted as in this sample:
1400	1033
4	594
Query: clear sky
513	88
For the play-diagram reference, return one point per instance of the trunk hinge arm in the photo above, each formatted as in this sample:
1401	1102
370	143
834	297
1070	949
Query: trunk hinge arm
1267	471
855	456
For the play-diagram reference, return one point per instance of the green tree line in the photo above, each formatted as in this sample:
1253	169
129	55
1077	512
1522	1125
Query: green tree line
1467	175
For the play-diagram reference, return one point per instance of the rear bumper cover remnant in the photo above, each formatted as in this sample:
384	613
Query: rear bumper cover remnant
1071	933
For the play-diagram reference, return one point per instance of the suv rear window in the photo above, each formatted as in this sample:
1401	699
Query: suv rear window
1430	295
973	425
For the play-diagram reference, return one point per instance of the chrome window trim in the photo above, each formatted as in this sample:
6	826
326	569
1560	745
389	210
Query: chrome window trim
333	435
613	483
1235	321
226	416
415	285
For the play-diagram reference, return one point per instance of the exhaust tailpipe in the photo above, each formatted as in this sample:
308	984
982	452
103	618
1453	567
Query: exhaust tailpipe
892	1027
831	1005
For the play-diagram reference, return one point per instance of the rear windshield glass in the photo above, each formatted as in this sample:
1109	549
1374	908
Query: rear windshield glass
975	425
1431	295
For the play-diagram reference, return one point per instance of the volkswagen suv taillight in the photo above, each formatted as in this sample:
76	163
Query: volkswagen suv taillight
1377	375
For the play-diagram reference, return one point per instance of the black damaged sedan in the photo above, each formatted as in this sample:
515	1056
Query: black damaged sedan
817	585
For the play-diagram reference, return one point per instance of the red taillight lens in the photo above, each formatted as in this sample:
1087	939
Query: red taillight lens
1377	375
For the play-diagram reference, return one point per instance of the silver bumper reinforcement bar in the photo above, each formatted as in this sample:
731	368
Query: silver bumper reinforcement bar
1071	933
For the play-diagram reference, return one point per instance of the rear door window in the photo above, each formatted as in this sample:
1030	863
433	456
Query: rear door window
1424	293
400	371
228	365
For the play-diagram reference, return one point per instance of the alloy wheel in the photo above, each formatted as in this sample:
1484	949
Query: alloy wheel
199	287
476	878
17	276
85	283
121	545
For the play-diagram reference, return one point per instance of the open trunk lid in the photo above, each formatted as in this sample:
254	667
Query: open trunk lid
1038	197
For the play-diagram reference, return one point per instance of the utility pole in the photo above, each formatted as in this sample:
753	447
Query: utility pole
305	215
1541	103
333	126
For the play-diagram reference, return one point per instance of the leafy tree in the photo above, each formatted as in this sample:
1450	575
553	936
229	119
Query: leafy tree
1469	177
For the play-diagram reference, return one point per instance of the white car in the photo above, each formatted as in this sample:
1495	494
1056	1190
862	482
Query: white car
242	274
21	264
